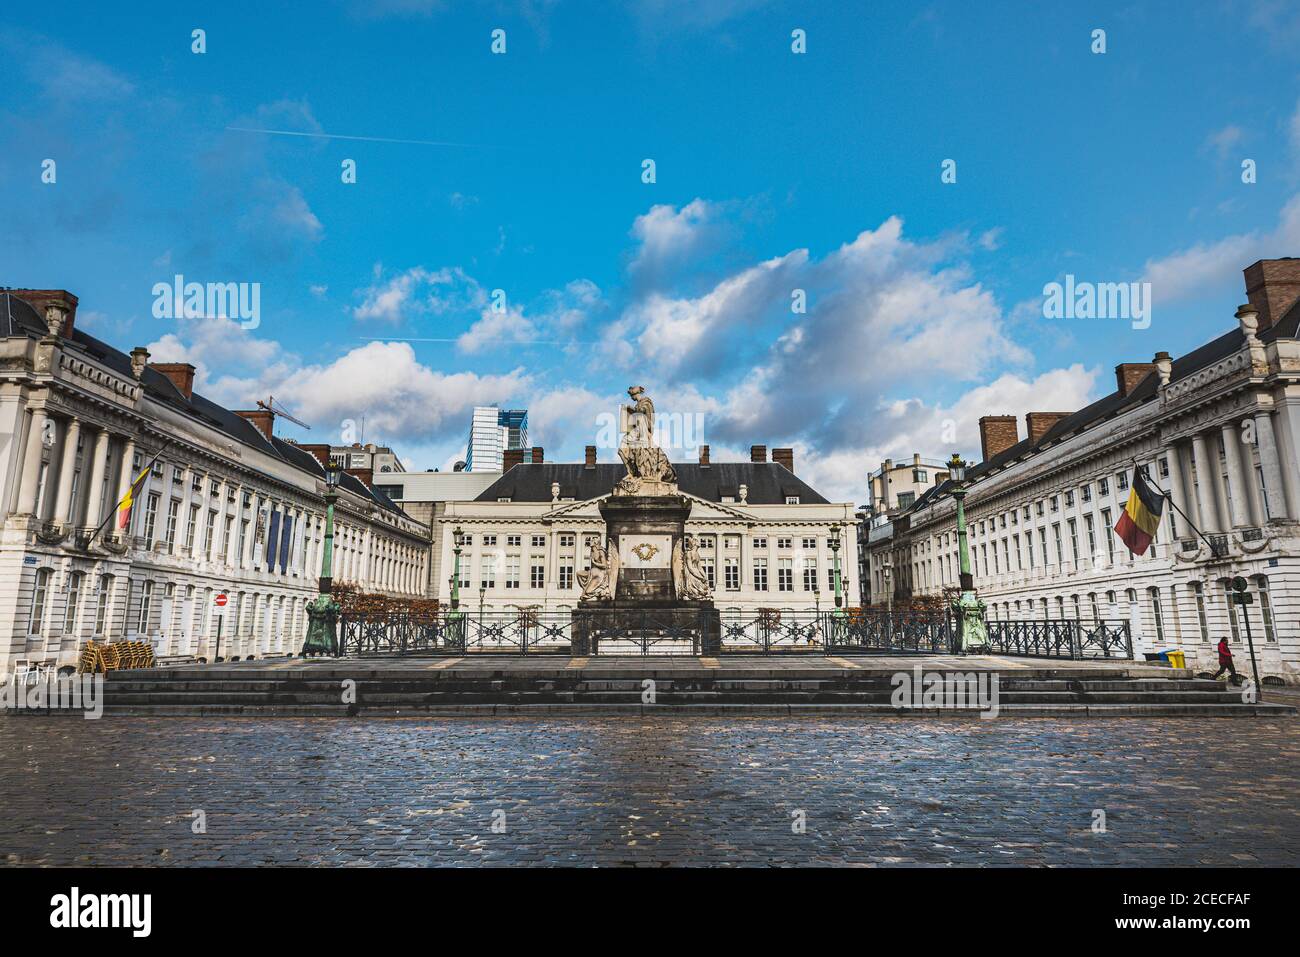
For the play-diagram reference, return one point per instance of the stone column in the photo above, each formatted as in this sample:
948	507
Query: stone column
1239	512
183	516
1271	466
125	478
1205	484
95	493
67	465
31	474
1177	488
1254	495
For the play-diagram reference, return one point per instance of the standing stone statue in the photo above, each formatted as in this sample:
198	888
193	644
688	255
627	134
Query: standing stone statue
688	573
601	581
648	468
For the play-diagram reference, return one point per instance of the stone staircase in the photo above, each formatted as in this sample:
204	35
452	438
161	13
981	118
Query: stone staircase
757	686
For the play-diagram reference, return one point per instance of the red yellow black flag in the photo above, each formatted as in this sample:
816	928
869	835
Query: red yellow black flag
1140	519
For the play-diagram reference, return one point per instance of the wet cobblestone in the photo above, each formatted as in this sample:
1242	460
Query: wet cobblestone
649	792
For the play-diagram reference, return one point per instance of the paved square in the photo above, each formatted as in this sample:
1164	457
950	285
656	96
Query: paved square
649	791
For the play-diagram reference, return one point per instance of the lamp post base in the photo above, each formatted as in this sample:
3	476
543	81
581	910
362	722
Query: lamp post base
973	636
322	628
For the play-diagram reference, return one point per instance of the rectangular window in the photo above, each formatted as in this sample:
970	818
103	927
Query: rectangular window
514	541
566	576
760	574
1265	608
150	519
173	509
760	543
566	540
1091	529
537	574
783	543
1085	493
489	540
1069	499
74	603
1110	539
1042	541
40	597
1232	610
101	604
1198	592
810	575
146	603
1056	538
190	529
785	575
539	541
710	572
210	534
243	541
1103	486
731	574
792	500
1074	540
1156	614
487	573
1121	481
512	571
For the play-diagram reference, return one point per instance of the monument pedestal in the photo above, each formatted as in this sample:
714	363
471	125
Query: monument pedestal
646	615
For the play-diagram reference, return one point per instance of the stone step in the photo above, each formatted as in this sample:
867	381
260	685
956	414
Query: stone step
638	710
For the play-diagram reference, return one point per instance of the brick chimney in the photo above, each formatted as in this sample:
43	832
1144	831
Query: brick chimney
1129	375
41	298
784	457
262	418
589	462
997	434
181	375
704	455
1038	424
758	453
322	453
538	457
1272	286
366	475
510	458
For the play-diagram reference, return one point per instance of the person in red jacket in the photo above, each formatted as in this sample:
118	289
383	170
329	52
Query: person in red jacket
1225	662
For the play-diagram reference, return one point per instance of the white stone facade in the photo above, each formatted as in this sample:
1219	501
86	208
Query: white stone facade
1220	432
757	556
79	421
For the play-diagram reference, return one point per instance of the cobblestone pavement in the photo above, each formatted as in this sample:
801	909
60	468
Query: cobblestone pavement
649	792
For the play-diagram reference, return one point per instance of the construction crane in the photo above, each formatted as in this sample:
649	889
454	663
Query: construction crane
270	406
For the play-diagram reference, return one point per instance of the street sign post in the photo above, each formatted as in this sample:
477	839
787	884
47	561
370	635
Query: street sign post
219	602
1242	597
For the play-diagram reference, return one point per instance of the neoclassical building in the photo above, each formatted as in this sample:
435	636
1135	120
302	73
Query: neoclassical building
1218	429
765	535
228	507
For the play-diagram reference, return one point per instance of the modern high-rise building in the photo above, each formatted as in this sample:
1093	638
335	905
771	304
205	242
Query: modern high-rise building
491	432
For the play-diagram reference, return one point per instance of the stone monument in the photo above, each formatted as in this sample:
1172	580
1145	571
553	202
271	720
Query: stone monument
646	582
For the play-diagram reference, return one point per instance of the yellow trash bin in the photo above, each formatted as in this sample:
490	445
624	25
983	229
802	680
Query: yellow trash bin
1176	659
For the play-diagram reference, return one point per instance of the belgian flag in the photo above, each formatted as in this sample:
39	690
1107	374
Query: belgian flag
1138	523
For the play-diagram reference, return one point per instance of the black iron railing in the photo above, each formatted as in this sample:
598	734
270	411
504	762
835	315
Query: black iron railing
1061	638
688	631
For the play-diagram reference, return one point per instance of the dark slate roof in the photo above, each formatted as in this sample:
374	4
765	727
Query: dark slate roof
18	317
769	483
1112	405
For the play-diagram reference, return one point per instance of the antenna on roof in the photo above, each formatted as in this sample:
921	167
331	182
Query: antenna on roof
270	406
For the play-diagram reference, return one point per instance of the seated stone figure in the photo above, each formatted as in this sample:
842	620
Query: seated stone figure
601	581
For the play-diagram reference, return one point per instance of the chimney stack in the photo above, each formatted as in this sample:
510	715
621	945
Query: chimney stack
1272	286
758	453
181	375
42	299
590	461
1129	375
264	419
704	455
538	458
1038	424
784	457
321	452
997	434
510	458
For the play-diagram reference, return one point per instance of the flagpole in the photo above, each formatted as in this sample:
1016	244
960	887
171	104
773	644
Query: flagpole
1190	524
111	515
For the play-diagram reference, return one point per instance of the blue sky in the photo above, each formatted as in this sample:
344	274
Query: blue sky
775	171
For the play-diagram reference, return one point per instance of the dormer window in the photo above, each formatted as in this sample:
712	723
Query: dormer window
792	500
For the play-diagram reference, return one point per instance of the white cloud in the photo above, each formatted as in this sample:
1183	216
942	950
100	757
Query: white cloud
1208	265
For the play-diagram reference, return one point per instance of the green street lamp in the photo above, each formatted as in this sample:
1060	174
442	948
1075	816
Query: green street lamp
834	544
458	538
323	613
969	608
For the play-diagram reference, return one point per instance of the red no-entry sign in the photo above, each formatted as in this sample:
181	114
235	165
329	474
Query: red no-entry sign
221	599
